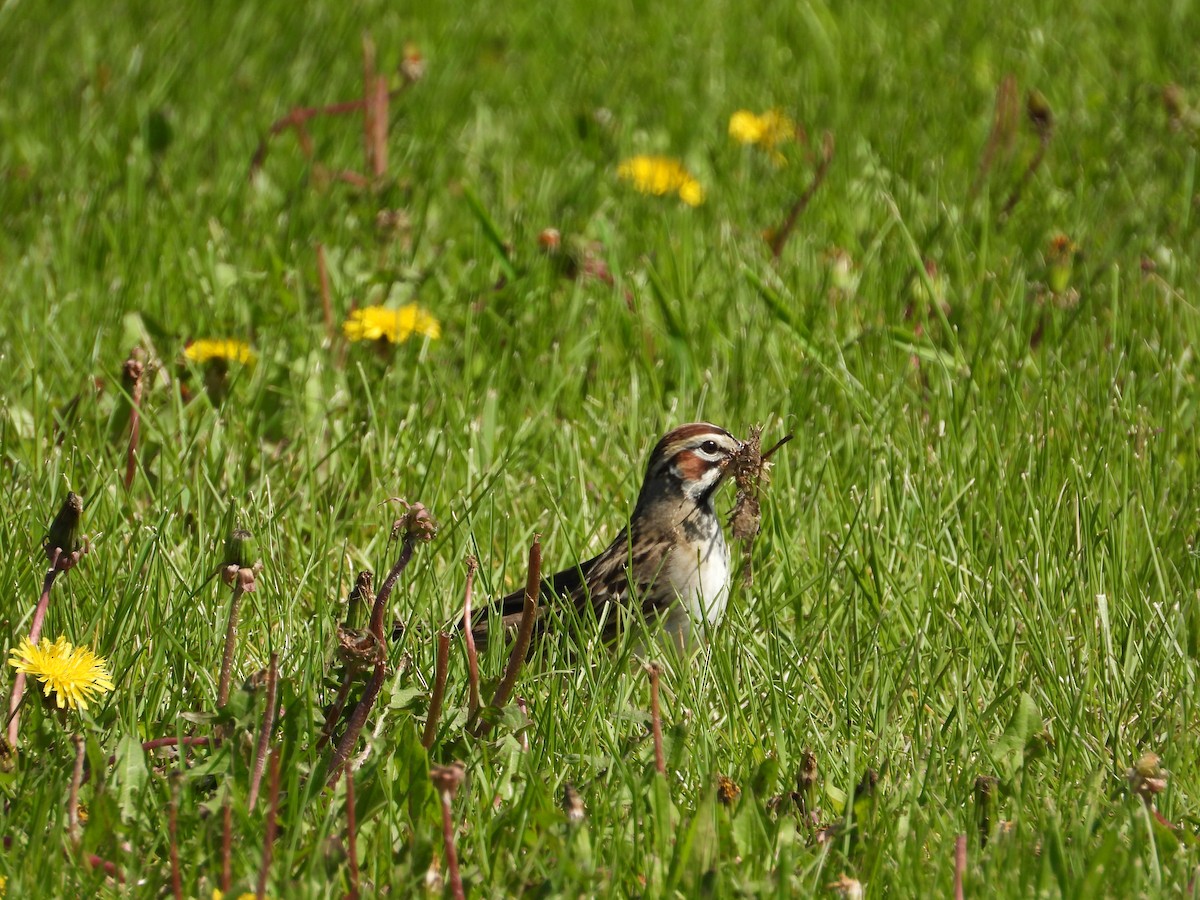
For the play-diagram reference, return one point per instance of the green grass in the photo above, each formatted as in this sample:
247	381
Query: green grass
978	555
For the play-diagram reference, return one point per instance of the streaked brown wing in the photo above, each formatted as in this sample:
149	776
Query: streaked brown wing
601	582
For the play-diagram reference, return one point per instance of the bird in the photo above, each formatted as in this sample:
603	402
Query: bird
670	563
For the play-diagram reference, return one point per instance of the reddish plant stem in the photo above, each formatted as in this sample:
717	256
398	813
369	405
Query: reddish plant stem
439	690
358	718
35	633
299	116
469	637
76	781
456	885
352	837
264	736
133	372
226	845
269	838
660	762
335	711
230	643
326	297
960	865
378	99
173	834
781	234
533	586
368	51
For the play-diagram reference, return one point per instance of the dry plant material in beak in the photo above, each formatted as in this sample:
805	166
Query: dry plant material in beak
750	468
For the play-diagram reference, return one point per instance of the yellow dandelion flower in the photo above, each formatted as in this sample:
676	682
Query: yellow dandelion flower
218	894
73	674
374	323
661	175
767	130
206	349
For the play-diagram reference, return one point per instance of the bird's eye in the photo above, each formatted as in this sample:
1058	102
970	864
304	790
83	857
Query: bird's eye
709	447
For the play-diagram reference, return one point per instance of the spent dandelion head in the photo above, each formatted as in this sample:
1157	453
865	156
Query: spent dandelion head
660	176
73	674
381	323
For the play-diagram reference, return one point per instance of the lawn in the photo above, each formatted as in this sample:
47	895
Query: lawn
962	273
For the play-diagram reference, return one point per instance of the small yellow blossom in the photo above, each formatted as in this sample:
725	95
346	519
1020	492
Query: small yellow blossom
218	894
206	349
73	674
661	175
373	323
767	130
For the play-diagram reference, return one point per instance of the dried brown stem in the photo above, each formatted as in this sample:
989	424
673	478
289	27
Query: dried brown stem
359	717
960	865
230	643
132	375
269	838
264	736
226	845
368	51
76	781
779	443
660	762
297	119
326	298
469	637
1002	133
352	837
780	235
516	659
446	780
35	633
1042	119
335	712
173	836
439	689
378	102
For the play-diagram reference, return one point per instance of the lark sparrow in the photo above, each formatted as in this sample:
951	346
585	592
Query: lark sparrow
670	563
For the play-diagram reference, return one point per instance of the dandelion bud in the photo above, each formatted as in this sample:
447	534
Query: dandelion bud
985	793
64	530
241	549
1040	115
806	782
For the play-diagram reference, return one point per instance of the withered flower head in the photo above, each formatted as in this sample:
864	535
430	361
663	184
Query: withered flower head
572	804
359	648
448	778
727	790
416	524
1147	777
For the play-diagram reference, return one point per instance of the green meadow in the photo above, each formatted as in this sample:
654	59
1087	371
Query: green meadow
959	266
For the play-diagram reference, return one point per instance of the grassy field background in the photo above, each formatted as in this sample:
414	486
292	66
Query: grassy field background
978	554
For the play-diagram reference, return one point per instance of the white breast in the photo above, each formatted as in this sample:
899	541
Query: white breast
700	577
